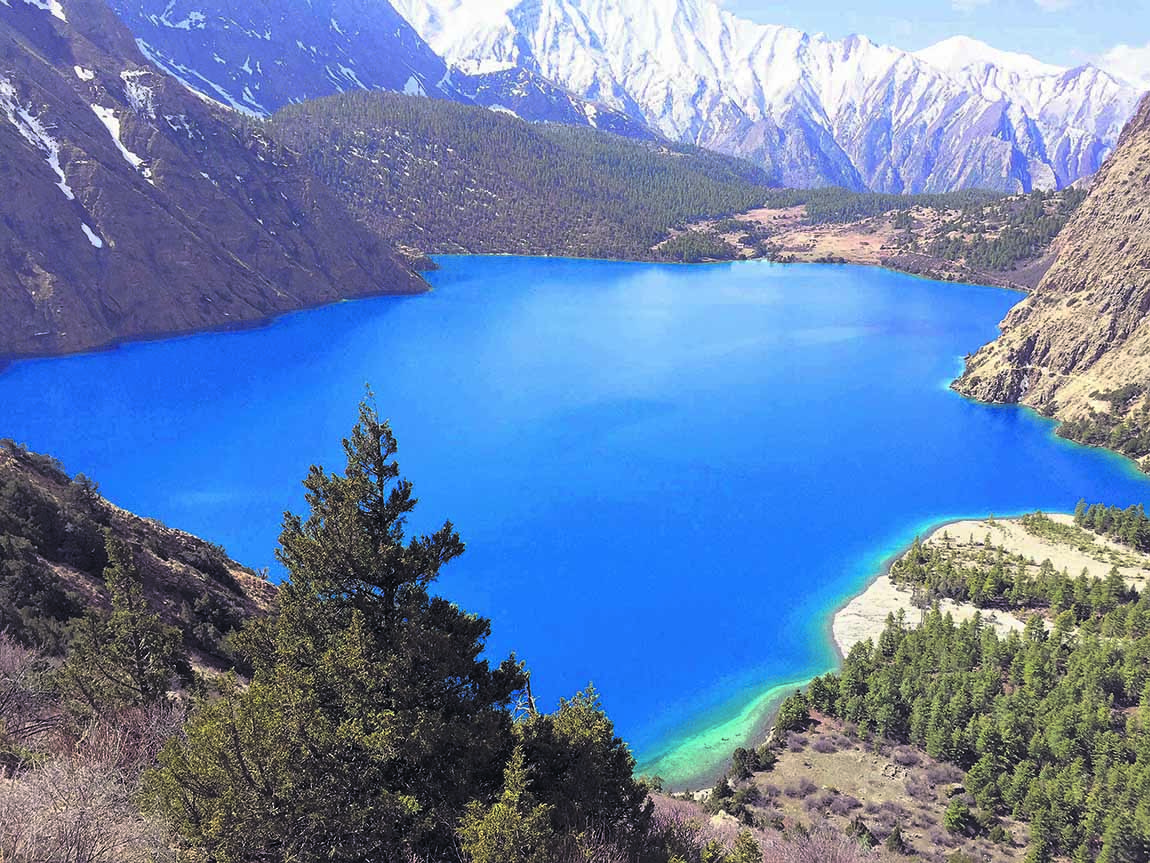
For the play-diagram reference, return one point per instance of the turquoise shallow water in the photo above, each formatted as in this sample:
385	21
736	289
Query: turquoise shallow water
667	477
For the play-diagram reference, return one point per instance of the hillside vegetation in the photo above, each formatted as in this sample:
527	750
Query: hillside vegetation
53	536
441	178
1047	725
971	236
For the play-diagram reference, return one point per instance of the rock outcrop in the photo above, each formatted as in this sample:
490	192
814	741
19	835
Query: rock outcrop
1078	348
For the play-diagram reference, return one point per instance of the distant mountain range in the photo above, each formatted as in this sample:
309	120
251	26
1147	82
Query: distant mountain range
812	110
259	57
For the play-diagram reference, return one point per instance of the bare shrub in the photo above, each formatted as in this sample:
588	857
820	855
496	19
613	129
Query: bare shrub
132	741
824	745
80	805
920	790
769	790
27	708
823	845
682	824
796	742
942	839
74	812
906	757
943	774
820	802
844	804
800	789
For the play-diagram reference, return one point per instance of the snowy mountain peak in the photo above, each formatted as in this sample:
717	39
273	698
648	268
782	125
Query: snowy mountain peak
814	110
959	53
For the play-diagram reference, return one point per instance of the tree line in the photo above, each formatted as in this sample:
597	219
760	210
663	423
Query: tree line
1051	724
443	177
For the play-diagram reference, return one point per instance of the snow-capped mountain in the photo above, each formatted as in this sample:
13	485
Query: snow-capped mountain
812	109
258	57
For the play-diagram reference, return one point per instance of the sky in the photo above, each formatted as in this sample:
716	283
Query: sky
1114	34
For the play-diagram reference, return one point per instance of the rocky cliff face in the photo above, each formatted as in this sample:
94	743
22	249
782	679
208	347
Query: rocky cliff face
1078	348
131	207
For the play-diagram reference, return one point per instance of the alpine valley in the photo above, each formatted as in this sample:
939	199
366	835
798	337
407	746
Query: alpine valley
748	499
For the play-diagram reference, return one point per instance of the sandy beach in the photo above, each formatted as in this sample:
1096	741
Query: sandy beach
865	616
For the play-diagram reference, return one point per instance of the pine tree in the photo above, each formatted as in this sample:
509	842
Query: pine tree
124	657
746	849
514	829
371	720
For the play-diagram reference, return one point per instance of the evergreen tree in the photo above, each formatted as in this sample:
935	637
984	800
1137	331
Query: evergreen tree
514	829
584	772
371	720
746	849
126	656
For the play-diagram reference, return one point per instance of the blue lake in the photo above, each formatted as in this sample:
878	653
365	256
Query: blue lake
667	477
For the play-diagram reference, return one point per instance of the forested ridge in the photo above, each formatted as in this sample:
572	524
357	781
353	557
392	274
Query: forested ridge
999	235
442	177
1051	724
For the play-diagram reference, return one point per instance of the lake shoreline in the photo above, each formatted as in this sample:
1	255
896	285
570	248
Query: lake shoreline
8	359
496	382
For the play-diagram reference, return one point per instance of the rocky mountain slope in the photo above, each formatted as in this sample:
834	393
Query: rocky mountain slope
52	559
1079	348
260	57
133	208
812	110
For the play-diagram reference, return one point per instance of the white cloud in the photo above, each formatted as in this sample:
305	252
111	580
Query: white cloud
969	5
1044	5
1128	62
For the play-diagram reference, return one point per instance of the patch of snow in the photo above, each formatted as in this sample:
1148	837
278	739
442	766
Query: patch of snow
139	95
83	74
413	87
92	236
247	67
349	73
182	73
112	124
194	21
52	6
34	132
